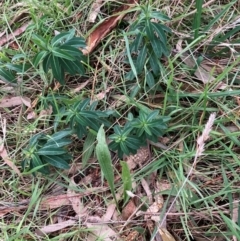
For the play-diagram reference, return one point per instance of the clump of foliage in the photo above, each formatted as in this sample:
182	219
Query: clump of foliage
149	44
61	54
47	150
136	132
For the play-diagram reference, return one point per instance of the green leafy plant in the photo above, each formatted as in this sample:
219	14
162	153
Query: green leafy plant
82	115
136	132
149	126
149	44
10	70
44	151
61	54
123	141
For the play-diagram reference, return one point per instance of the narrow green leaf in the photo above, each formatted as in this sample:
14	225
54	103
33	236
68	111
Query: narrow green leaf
141	59
160	32
40	41
130	57
60	134
149	30
159	16
104	159
232	136
218	16
46	62
56	161
7	76
232	226
72	51
39	57
58	143
154	63
197	18
75	42
57	70
136	43
59	38
62	54
49	151
72	67
156	46
38	164
150	79
88	148
127	180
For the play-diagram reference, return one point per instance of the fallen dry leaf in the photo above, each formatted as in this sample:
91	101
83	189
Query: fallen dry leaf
6	210
165	235
75	200
139	159
54	202
46	112
16	33
100	230
3	151
109	213
80	87
95	10
31	115
129	210
8	161
106	26
200	73
102	94
54	227
15	101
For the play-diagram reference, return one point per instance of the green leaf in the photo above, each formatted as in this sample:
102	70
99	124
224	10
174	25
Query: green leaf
56	161
40	41
158	29
150	79
72	51
136	43
59	39
39	57
49	151
67	66
75	42
104	159
88	148
62	54
47	62
20	68
57	70
58	143
159	16
156	47
60	134
36	162
149	30
154	63
127	180
141	59
197	18
130	57
7	76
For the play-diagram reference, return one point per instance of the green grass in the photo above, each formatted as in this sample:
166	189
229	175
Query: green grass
206	204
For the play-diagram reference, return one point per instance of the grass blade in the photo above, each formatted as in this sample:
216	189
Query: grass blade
197	18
